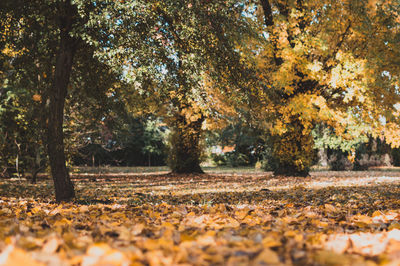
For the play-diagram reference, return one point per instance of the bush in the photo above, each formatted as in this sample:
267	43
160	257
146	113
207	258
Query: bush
219	159
233	159
338	161
236	159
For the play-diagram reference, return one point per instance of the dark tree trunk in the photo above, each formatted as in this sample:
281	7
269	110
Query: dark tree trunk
64	188
293	151
35	174
186	147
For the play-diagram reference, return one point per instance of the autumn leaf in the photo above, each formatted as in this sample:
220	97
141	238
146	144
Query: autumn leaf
311	223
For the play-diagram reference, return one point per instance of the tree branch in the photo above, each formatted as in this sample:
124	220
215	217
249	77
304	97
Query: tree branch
337	47
268	18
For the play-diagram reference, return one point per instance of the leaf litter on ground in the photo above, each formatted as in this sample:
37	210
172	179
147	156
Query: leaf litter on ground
249	219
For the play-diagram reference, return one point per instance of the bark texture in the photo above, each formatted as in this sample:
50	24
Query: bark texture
64	188
185	146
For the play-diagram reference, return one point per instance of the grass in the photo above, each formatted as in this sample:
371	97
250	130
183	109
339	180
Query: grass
118	169
154	169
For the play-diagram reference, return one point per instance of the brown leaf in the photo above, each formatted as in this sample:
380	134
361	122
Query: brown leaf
267	256
13	256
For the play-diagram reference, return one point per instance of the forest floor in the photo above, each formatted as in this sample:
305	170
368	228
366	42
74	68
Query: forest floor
220	218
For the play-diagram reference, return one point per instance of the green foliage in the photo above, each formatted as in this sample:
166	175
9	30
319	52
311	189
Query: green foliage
232	159
247	143
219	159
236	159
21	144
132	142
352	139
140	141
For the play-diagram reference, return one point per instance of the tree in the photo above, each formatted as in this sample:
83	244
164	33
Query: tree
312	70
57	93
54	22
21	144
173	46
50	34
127	141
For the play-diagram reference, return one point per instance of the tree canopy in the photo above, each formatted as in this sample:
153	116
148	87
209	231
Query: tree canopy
325	62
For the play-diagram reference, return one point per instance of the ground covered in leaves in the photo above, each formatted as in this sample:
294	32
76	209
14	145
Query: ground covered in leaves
330	218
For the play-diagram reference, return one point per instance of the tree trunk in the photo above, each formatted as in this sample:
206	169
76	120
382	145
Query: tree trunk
35	174
293	151
186	147
64	188
323	157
